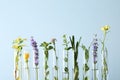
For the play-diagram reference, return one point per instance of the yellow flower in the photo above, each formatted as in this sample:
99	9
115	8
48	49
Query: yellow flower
18	47
105	28
15	46
26	56
19	40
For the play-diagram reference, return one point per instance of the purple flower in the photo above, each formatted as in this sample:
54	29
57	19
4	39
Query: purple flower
53	40
36	51
95	49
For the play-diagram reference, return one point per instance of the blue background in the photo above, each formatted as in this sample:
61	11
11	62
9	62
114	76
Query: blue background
45	19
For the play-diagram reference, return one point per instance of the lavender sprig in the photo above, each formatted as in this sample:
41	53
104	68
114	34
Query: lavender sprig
95	55
36	55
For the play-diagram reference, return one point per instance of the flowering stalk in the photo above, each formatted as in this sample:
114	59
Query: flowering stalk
46	47
104	53
56	59
26	57
66	69
36	55
74	47
86	65
95	49
18	46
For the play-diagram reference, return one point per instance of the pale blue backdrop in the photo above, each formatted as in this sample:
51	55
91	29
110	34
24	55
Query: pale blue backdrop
45	19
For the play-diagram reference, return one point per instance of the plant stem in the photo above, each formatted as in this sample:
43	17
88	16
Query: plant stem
56	61
36	72
28	72
95	77
20	67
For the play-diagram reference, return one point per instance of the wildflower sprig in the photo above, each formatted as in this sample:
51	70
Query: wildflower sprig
53	41
18	45
36	55
86	65
104	52
46	47
65	44
95	56
26	57
74	46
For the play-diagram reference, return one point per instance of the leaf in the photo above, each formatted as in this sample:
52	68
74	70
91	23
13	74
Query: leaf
77	45
47	72
83	47
16	58
66	59
86	52
68	48
72	42
86	78
65	78
55	78
66	69
46	66
56	68
86	55
86	68
50	47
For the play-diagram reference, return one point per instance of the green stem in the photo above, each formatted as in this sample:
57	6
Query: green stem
16	65
20	68
56	61
28	72
36	72
67	66
95	77
46	65
104	62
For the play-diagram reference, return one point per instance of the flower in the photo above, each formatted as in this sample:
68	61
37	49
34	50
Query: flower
19	40
18	47
53	40
95	49
26	56
105	28
36	51
18	44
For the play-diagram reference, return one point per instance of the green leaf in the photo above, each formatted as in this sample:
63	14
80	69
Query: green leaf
66	59
86	78
46	66
86	55
72	42
55	78
66	69
47	72
56	68
68	48
83	47
50	47
17	59
86	68
77	45
65	78
86	52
